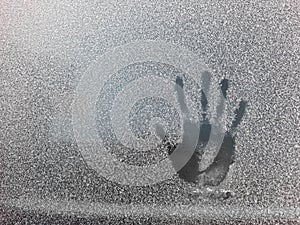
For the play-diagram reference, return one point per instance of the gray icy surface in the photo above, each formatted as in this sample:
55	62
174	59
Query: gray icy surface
47	46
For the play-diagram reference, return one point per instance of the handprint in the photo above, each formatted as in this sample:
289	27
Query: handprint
216	172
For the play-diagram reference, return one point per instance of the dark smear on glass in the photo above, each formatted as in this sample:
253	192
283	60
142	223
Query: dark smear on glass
218	170
224	87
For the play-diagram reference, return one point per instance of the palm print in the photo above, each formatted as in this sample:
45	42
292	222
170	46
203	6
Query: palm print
216	172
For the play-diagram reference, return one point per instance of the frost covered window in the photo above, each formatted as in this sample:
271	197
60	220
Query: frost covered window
149	112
